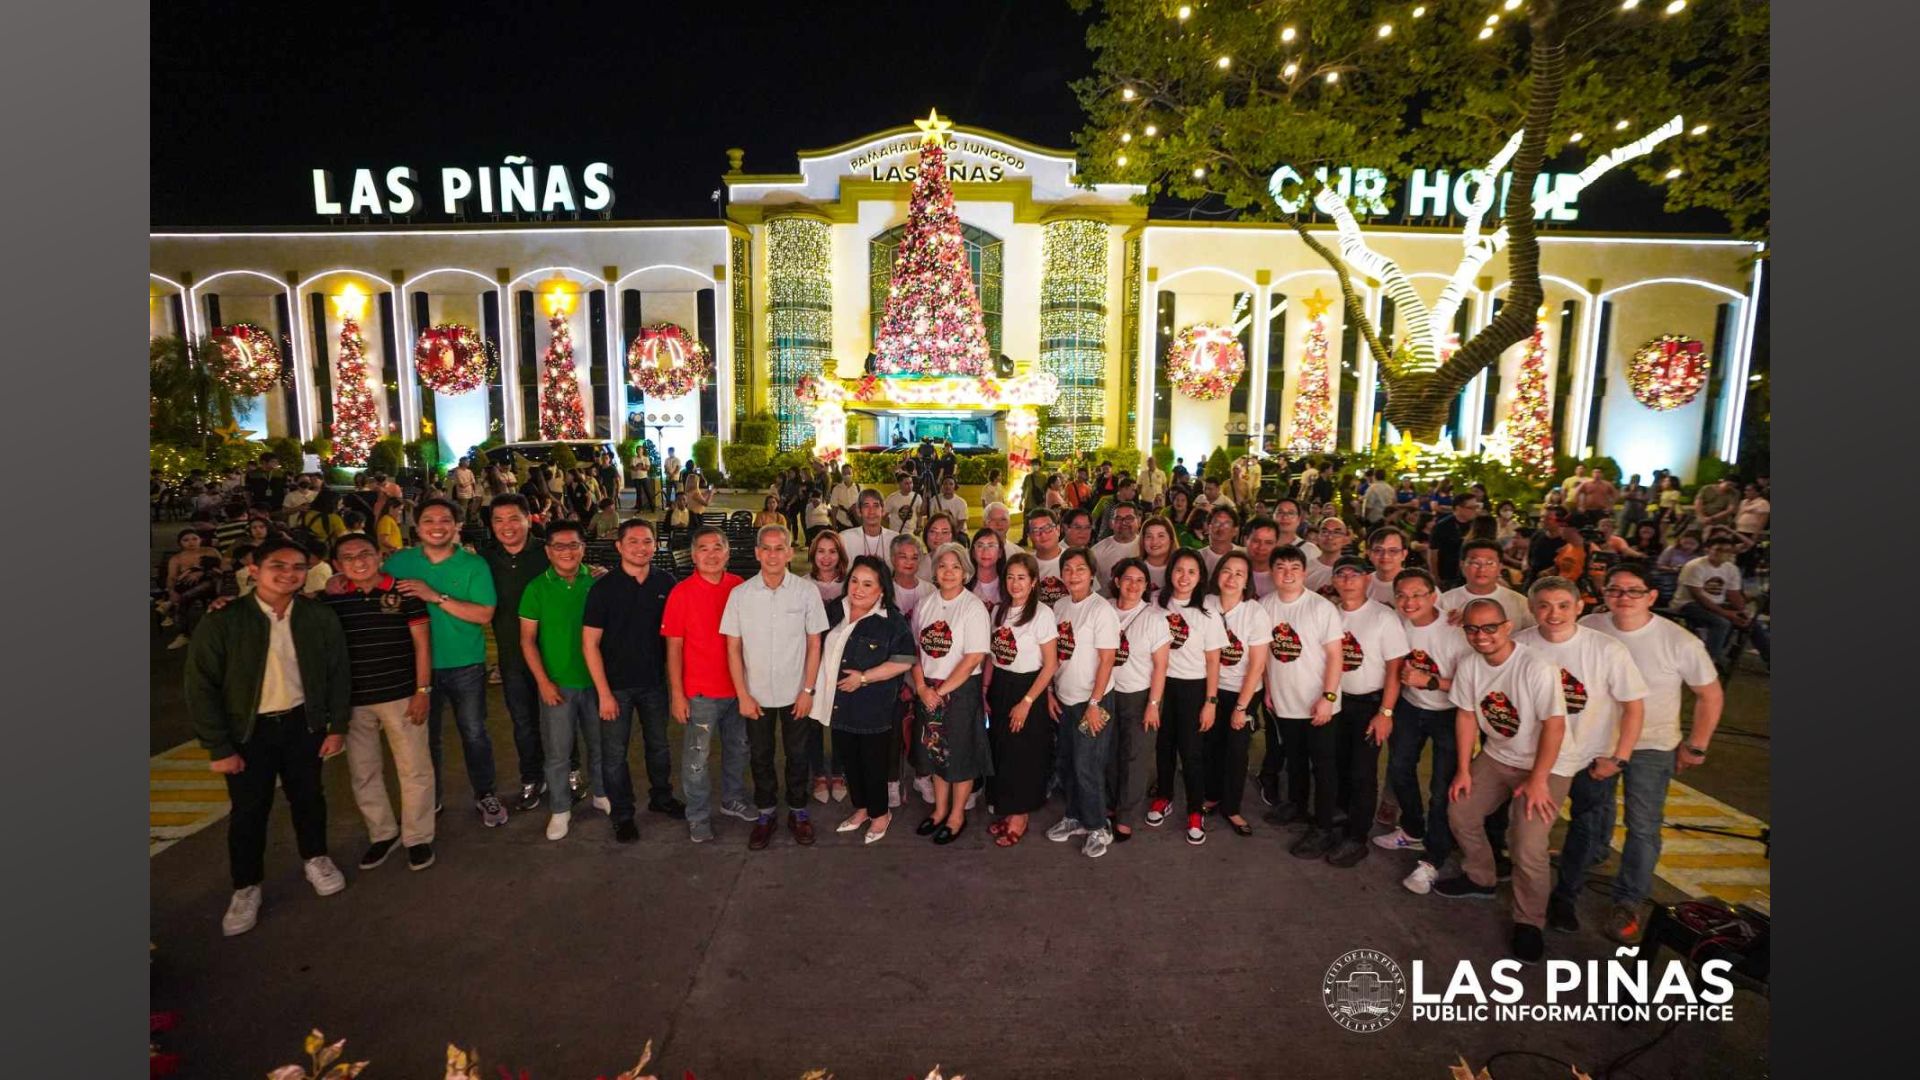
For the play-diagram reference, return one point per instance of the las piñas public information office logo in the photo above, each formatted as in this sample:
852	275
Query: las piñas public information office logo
1364	991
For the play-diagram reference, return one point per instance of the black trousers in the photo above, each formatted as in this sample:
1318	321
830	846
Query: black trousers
1180	737
1311	760
280	748
1226	752
1357	762
796	733
866	758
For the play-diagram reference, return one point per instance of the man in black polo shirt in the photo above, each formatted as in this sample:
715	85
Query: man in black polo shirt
1443	543
392	659
627	658
514	562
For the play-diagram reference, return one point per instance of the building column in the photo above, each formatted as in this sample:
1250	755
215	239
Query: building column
1257	363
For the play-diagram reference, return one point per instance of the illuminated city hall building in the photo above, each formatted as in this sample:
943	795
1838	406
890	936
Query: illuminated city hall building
1077	282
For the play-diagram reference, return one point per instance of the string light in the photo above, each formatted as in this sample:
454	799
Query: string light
1126	93
1419	11
1333	76
1698	129
1121	161
1486	32
1511	4
1073	336
1621	126
1288	33
1386	30
1185	12
1629	5
1676	7
1152	131
1225	62
1126	136
1673	174
1290	70
1575	137
1493	20
1199	172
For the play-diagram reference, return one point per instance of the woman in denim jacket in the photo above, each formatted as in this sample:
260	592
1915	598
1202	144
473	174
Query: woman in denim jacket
868	647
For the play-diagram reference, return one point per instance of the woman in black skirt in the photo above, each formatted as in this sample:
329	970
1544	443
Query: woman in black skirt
1020	733
950	626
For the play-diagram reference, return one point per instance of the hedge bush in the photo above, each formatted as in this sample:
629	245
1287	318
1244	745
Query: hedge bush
761	430
388	455
704	449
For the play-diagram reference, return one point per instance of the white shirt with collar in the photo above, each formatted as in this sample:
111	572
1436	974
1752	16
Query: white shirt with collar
773	624
280	687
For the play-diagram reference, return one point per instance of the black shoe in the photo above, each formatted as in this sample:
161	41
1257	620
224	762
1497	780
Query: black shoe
419	856
1241	828
1562	915
530	797
1285	814
669	806
1209	810
1349	853
1314	845
377	852
625	832
1270	790
1529	945
944	835
1461	887
1502	868
926	827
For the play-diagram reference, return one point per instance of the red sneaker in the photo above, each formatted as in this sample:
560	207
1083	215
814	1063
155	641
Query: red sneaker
1196	829
1157	813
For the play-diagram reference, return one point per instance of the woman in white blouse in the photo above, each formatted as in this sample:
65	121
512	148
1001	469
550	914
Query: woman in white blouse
1021	735
1242	669
1139	683
1082	703
950	627
1193	678
827	570
1158	541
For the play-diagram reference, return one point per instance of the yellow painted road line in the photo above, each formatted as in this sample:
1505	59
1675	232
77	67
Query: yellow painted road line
183	796
1704	864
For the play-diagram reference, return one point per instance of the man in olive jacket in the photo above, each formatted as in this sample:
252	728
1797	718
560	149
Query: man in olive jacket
268	685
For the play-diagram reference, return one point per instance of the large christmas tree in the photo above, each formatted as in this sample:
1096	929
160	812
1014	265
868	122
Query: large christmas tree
356	420
1313	402
932	324
562	416
1529	418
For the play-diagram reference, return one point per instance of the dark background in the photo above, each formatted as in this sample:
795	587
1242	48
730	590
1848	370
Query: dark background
249	98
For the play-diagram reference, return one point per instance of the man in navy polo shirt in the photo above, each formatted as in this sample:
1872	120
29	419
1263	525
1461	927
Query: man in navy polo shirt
620	634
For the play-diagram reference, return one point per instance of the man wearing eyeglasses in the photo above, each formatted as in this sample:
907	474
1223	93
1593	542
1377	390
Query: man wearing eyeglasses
1480	559
1043	528
1286	518
1511	696
1124	543
1387	550
1435	652
1605	708
1666	656
1223	524
552	610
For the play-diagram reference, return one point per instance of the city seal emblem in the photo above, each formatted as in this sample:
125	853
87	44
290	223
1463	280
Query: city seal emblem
1364	991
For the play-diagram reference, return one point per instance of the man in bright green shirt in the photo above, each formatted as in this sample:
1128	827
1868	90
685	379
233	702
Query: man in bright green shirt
457	587
551	610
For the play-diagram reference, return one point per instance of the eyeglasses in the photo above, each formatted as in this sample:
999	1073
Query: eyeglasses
1421	595
1045	528
566	547
1631	594
1481	629
357	556
1482	564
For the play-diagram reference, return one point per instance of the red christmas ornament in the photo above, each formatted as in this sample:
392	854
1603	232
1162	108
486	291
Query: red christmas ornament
1668	372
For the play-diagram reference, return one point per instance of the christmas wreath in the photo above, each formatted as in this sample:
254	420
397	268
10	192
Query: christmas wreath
664	361
1205	361
1668	371
452	359
247	361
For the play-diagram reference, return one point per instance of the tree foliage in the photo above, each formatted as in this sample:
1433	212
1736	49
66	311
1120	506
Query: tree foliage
185	403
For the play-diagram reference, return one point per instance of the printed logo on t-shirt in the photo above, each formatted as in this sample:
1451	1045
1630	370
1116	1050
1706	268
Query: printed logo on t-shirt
1575	691
1285	646
1422	661
1003	646
1234	651
1329	592
1065	644
1177	627
1351	654
937	639
1052	590
1714	587
1125	650
1500	714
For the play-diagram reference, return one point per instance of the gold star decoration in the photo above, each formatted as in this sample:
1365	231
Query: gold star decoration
233	432
1317	304
934	129
1406	453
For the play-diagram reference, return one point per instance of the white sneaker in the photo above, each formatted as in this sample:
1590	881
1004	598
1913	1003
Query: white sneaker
557	825
924	785
325	877
973	800
1065	829
1421	880
1098	841
179	642
242	911
603	804
893	794
1398	840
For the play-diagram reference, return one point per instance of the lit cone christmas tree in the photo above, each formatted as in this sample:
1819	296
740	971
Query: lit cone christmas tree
1529	418
562	416
1313	403
356	419
932	324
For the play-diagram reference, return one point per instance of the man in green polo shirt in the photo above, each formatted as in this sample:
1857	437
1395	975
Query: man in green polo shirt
551	609
457	587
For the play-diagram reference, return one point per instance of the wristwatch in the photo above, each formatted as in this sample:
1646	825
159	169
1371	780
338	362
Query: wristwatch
423	689
1696	751
1388	713
1619	762
1330	696
863	678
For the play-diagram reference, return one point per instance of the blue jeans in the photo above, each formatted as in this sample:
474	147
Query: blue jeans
577	717
1590	833
1085	763
523	706
651	704
464	689
705	714
1718	629
1413	728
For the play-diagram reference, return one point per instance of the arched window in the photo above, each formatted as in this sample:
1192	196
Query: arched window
984	254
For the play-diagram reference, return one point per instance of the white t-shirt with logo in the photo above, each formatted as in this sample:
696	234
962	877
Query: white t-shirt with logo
1156	576
990	594
1667	655
956	506
1383	591
1371	636
1511	704
1262	583
1016	648
902	507
1110	551
1192	633
1248	631
1143	629
1297	652
1085	627
905	599
1597	674
1438	650
1053	588
947	631
1514	604
858	543
1320	579
1212	558
1700	578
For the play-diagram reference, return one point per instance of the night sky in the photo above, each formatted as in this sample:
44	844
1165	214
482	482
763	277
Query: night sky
249	98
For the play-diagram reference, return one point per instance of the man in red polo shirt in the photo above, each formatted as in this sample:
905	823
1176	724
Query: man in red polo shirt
701	687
